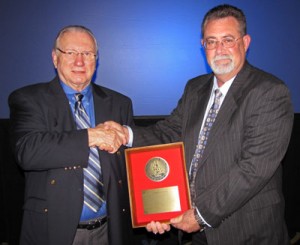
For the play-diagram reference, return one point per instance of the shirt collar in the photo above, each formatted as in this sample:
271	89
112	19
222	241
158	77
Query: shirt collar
225	87
87	92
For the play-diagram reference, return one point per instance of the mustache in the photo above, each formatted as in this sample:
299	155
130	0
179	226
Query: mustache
221	57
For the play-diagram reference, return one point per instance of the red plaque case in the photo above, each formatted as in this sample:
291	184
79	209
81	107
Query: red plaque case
157	182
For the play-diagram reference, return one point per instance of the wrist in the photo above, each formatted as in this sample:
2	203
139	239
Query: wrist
92	137
199	220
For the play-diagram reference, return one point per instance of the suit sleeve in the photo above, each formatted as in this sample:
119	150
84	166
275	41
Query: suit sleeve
38	142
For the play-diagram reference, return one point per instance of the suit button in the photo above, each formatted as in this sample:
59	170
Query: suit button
120	182
46	210
52	182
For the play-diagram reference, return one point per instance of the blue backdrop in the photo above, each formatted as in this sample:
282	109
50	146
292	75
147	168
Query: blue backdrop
148	49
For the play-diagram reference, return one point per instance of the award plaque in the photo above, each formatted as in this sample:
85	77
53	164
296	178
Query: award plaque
157	182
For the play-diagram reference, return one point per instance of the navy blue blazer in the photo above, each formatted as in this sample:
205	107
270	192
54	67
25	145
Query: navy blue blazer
53	154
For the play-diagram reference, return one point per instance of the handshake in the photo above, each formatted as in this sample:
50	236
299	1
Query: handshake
108	136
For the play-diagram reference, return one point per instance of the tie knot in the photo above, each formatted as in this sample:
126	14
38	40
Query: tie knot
218	93
78	97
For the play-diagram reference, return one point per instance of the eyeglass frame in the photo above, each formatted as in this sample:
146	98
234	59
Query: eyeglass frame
222	42
74	54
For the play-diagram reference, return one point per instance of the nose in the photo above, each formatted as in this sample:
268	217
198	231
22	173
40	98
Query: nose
219	43
219	46
79	59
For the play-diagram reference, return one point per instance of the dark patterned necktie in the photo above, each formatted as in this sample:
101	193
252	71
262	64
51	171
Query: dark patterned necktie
202	141
93	185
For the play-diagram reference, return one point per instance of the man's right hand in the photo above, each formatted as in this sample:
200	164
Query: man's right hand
119	128
108	139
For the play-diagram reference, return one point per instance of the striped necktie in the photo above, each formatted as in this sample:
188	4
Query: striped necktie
93	185
202	141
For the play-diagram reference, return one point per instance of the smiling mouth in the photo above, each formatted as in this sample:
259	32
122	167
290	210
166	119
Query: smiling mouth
78	72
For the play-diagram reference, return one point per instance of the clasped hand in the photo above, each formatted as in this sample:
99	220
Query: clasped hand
107	138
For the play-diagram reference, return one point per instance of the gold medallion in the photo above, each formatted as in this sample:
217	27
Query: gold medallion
157	169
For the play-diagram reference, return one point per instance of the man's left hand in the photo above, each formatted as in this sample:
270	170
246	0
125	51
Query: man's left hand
186	222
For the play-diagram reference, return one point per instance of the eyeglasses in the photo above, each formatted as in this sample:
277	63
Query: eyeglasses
227	42
72	54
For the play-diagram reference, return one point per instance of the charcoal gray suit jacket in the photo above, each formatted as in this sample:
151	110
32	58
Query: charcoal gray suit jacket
53	154
238	182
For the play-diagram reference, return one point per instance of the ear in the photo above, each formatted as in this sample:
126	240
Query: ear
247	41
54	58
202	41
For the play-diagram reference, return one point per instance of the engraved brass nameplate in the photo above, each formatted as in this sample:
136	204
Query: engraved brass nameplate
161	200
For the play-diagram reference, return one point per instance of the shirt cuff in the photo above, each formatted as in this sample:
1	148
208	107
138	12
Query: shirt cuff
130	139
202	219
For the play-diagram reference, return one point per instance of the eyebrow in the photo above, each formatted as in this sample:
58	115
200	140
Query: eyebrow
213	37
72	49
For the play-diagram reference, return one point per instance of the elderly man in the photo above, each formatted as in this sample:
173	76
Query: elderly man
76	189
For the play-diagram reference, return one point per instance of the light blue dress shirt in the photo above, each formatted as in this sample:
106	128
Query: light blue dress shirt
88	104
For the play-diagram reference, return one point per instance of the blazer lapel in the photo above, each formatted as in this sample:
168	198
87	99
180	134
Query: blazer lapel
102	107
102	104
226	111
219	125
197	108
59	108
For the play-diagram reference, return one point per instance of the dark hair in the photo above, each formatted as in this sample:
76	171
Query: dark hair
223	11
74	28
